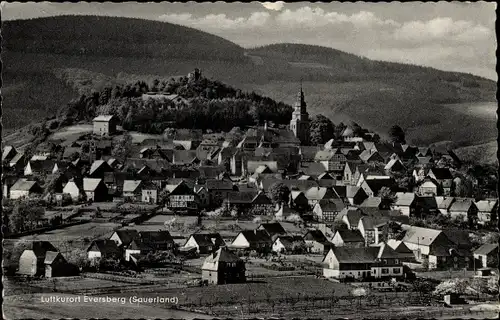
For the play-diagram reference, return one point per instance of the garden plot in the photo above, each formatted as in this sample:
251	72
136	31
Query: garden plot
90	230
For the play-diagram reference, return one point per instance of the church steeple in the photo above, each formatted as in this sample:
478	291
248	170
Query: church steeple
300	118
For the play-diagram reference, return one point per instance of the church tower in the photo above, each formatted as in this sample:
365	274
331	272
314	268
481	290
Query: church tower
300	119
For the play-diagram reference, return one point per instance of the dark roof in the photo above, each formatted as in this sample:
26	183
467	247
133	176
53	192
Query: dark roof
426	203
241	197
288	241
42	165
211	171
486	248
127	235
377	184
356	255
157	240
205	239
40	248
256	236
105	246
351	235
213	184
442	173
272	228
315	235
312	168
301	185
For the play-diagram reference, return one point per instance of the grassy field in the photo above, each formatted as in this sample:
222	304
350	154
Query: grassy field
73	237
481	153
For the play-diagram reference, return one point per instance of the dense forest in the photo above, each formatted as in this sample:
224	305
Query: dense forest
208	105
114	36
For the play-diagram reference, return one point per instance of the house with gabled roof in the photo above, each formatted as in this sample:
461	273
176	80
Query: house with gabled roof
25	188
487	210
16	164
42	259
350	216
361	263
39	167
348	238
104	125
373	186
327	210
223	267
405	254
218	190
313	169
428	245
316	194
405	203
355	195
132	189
149	242
316	241
95	189
395	165
98	168
272	229
205	242
484	253
103	249
289	244
429	187
444	177
8	152
464	209
333	160
371	156
182	196
74	188
123	237
444	204
256	240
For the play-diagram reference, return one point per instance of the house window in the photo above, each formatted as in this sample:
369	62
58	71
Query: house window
396	261
385	270
396	270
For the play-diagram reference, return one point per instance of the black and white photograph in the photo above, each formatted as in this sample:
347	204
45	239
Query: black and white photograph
269	160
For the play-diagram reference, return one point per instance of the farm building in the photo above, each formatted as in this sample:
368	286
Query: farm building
205	242
360	263
316	242
24	188
104	248
95	189
488	251
223	267
43	259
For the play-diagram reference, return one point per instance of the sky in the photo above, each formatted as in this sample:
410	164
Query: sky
453	36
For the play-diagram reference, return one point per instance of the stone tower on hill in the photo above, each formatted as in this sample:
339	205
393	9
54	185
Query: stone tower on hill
300	119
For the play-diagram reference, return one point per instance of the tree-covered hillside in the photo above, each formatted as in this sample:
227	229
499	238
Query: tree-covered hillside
205	104
115	36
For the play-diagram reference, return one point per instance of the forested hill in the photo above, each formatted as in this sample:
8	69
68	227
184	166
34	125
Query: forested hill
115	36
322	62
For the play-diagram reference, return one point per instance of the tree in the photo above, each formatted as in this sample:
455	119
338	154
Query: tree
397	134
321	130
78	257
163	197
25	215
387	196
122	147
279	192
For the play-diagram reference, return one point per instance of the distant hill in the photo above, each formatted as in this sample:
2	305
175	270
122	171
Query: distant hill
343	86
